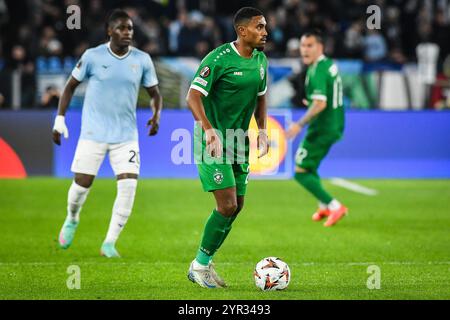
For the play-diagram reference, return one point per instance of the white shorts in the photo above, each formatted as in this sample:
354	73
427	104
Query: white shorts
89	155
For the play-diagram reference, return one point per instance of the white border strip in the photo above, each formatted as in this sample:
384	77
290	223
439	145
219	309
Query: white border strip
193	86
115	55
319	97
262	92
352	186
234	48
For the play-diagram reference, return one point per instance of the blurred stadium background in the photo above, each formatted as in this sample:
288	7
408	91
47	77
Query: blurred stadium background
403	66
397	98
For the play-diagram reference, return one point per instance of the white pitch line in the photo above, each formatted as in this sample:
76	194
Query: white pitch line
353	186
303	264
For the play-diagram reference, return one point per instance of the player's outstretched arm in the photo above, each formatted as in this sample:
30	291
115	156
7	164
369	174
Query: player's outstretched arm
261	121
156	105
195	104
60	128
317	107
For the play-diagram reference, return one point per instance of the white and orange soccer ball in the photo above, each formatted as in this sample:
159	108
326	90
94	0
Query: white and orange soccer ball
272	274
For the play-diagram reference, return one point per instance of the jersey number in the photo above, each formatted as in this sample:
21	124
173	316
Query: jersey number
134	157
302	153
337	92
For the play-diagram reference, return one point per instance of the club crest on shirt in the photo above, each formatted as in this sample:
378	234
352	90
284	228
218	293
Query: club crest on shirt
261	72
134	68
205	72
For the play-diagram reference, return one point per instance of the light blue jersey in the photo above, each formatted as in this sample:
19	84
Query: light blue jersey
109	108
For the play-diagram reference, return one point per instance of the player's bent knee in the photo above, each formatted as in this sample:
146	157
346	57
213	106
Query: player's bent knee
228	209
84	180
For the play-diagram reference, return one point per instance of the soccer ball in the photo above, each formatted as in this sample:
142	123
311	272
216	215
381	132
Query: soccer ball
272	274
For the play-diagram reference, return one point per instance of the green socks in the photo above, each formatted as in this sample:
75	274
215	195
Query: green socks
227	229
216	229
311	182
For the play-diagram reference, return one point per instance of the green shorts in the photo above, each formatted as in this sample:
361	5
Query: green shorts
221	176
313	149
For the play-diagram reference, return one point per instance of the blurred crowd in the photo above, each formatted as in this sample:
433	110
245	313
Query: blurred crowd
37	28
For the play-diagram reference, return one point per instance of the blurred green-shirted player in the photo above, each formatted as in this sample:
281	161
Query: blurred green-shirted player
228	88
325	117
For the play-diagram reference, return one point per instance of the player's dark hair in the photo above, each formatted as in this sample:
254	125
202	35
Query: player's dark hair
316	33
244	15
115	15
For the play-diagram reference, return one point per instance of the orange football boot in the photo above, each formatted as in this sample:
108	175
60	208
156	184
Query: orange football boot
335	216
320	214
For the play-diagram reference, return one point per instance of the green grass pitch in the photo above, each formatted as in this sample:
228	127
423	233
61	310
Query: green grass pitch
404	231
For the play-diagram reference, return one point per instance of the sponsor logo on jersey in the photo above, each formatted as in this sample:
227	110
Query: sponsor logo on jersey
218	177
261	72
238	73
79	64
201	81
204	73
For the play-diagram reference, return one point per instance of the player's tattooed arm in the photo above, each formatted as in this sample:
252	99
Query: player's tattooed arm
317	107
156	106
60	125
195	104
261	121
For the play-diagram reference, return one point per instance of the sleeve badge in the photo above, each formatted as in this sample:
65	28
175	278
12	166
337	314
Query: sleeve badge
204	73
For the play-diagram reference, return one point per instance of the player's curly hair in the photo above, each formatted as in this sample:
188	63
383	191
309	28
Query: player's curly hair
244	15
116	14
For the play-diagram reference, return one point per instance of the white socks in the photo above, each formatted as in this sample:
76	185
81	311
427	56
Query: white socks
75	200
198	266
126	190
322	206
334	205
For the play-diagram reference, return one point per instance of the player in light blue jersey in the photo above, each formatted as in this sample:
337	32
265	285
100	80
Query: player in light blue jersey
115	72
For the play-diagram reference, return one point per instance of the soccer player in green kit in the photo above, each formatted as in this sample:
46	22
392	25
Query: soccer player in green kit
325	117
228	88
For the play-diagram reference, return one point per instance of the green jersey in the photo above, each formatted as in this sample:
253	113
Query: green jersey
324	83
231	85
